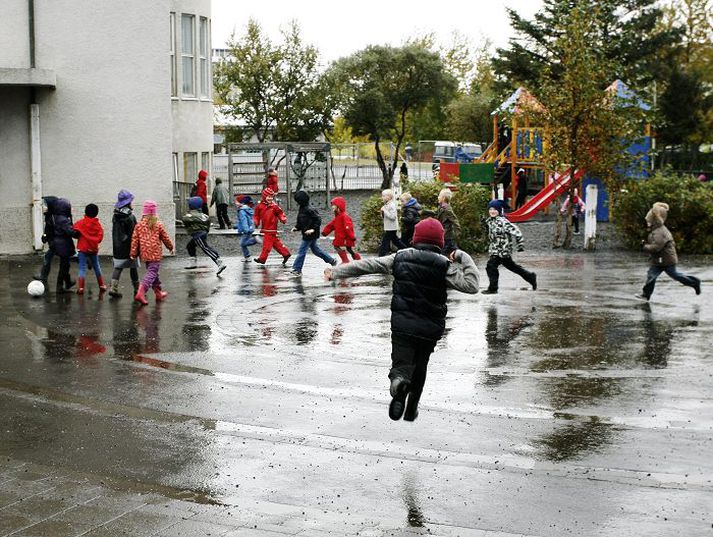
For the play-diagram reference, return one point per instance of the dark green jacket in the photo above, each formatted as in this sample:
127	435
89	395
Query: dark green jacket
449	220
196	222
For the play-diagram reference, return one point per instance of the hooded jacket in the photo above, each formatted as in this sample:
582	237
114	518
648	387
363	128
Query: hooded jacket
660	244
307	217
268	213
63	229
48	233
411	214
122	226
342	225
91	233
202	189
501	235
244	223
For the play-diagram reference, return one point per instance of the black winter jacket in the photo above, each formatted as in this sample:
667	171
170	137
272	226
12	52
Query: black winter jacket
418	306
48	233
123	224
307	217
63	229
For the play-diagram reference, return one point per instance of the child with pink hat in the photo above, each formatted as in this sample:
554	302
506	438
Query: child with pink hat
149	235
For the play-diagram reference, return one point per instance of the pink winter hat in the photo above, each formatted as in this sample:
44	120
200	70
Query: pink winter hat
149	208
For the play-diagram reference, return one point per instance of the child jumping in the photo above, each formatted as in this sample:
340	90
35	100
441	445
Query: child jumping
661	248
197	225
501	235
448	219
244	224
146	242
123	223
411	216
91	234
343	227
422	276
391	224
309	223
267	214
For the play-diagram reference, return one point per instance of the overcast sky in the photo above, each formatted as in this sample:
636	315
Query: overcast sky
339	28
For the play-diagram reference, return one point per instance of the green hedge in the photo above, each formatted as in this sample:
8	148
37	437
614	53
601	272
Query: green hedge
690	216
469	202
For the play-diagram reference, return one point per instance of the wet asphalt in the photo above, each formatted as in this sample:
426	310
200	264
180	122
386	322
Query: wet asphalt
572	410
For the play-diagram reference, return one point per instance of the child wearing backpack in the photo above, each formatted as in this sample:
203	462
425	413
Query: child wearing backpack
91	234
309	223
343	228
422	277
149	235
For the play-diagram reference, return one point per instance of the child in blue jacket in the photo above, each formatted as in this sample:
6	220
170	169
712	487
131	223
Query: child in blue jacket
244	224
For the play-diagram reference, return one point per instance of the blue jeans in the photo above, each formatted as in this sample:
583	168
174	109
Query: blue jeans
655	272
316	250
247	240
93	259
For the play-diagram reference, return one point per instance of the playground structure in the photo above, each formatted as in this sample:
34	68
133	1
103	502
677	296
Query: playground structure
517	143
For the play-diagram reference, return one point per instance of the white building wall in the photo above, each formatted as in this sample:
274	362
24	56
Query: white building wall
110	122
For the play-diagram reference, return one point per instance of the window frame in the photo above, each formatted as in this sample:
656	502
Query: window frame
204	59
188	55
172	55
189	177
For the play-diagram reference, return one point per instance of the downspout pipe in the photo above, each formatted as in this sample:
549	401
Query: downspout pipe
35	149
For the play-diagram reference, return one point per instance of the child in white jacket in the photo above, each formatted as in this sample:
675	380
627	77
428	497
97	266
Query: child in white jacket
391	224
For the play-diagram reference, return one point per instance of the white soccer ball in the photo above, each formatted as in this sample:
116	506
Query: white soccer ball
35	288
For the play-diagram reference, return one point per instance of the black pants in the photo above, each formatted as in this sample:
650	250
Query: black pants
491	268
388	238
575	222
204	208
409	359
63	278
223	220
133	272
201	240
46	264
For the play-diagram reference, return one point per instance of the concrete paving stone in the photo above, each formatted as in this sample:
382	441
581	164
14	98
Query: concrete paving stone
101	510
253	532
135	524
194	528
53	528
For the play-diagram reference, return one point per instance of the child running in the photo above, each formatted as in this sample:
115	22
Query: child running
244	224
146	242
448	219
123	223
501	235
309	223
91	234
197	225
661	248
422	276
63	243
343	227
267	214
391	224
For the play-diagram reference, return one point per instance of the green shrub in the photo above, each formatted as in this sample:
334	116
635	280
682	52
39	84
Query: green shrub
469	203
690	216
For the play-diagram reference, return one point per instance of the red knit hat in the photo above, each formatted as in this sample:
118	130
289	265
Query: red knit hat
429	231
268	193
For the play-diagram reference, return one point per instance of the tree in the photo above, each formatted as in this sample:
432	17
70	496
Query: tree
625	32
585	128
381	85
276	89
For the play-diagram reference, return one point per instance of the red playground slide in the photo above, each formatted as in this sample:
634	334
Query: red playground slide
544	197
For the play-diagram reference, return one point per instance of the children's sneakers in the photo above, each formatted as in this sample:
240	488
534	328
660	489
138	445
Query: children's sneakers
399	389
642	296
258	261
285	259
221	267
489	292
295	273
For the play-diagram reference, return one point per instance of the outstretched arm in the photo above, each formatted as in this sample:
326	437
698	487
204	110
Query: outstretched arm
372	265
463	274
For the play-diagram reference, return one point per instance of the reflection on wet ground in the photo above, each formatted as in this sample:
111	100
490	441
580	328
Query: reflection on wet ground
242	386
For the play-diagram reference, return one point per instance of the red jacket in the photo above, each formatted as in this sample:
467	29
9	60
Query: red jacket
272	183
268	214
342	225
91	234
202	189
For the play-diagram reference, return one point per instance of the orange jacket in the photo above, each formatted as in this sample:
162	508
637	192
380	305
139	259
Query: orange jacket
146	242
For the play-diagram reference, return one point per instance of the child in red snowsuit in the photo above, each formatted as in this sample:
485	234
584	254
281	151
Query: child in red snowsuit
91	234
343	227
267	214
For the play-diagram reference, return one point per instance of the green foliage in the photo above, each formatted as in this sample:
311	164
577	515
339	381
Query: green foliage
469	203
690	216
381	85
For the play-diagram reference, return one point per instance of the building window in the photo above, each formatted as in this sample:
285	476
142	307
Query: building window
188	55
190	167
174	85
205	162
204	49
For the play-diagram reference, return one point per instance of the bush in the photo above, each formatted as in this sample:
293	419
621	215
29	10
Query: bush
690	216
470	203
